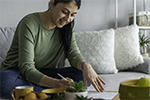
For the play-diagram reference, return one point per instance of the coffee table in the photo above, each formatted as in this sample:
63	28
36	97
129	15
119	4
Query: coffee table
116	97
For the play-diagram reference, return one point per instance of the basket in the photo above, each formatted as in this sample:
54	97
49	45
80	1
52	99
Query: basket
142	18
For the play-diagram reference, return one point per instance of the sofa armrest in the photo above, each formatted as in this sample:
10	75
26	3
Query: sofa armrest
144	67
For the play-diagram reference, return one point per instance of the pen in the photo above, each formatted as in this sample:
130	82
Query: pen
62	76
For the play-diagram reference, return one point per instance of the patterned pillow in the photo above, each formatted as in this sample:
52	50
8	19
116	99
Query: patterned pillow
127	49
97	48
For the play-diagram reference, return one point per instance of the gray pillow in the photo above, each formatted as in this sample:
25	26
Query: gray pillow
6	36
144	67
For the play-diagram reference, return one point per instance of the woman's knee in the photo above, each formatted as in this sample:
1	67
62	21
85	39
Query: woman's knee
8	75
9	80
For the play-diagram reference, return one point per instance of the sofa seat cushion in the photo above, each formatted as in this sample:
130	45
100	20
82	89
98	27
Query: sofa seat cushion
113	80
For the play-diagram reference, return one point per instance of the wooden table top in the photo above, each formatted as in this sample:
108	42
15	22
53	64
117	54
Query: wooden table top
116	97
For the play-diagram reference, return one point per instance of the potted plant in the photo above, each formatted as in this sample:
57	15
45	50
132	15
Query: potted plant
59	96
83	98
144	44
76	89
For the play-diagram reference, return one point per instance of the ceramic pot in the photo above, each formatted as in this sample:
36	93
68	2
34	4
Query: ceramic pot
72	95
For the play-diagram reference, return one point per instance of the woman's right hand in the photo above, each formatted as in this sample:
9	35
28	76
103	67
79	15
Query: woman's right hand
62	83
55	83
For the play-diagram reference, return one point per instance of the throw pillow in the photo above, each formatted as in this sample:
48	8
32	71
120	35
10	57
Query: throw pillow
144	67
97	48
127	48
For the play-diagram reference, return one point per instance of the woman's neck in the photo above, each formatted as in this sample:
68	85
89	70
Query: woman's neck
46	20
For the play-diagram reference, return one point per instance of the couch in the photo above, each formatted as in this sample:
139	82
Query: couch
112	80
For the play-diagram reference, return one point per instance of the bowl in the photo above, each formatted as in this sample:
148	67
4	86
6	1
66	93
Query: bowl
129	91
53	92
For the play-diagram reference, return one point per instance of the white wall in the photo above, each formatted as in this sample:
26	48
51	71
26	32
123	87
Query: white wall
93	15
12	11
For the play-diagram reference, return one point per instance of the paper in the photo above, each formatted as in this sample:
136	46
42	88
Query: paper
102	95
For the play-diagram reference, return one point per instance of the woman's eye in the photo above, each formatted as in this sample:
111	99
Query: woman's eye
72	15
65	12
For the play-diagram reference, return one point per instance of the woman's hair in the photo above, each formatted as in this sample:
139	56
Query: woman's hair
78	2
66	31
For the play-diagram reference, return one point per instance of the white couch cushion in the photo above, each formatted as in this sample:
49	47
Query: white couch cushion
97	48
127	49
6	36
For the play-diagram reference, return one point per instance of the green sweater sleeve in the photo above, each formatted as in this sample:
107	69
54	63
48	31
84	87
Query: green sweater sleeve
75	54
26	42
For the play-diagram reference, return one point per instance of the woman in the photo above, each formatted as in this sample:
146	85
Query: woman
40	41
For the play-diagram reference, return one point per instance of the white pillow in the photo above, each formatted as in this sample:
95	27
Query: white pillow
97	48
127	49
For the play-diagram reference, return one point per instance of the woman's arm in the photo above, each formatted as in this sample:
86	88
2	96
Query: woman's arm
76	59
74	55
56	83
90	75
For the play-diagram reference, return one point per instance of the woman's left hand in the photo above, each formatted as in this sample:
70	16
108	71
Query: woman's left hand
90	75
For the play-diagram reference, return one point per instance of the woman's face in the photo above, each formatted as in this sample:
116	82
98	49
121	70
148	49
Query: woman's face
63	13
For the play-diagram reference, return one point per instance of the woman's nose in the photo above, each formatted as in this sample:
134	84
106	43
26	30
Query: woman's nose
68	19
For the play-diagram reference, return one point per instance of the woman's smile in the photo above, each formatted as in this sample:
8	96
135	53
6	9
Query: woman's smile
62	22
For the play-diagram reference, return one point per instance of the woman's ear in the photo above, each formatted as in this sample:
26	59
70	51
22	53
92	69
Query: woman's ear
52	4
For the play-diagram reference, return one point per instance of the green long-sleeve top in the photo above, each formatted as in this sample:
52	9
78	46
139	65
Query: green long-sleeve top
34	47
